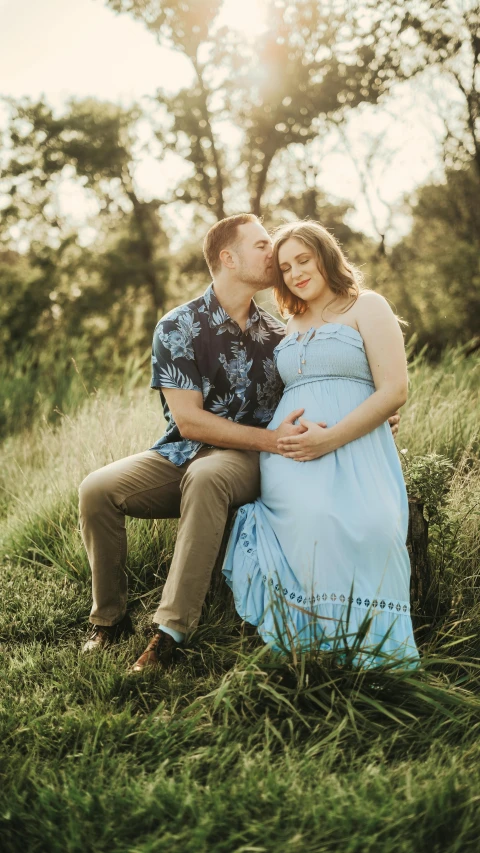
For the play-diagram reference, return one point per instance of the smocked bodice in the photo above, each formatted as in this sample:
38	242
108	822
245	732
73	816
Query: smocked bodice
333	351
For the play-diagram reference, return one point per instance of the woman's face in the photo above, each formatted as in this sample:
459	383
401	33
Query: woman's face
299	267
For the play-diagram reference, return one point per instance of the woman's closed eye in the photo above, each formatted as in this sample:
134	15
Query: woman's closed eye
287	269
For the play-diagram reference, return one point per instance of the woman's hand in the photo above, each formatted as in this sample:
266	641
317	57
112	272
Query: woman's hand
316	441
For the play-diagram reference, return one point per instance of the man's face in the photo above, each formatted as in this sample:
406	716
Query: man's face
253	255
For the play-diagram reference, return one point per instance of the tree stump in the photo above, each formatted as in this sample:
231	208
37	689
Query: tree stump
421	593
417	545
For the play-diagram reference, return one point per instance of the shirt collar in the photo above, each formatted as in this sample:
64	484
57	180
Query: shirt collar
218	314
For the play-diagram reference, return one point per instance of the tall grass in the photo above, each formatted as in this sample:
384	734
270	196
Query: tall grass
237	749
39	383
40	471
442	414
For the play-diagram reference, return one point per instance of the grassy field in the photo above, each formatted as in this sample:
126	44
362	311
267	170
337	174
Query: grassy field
236	750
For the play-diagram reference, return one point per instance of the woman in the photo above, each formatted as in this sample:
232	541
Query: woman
321	555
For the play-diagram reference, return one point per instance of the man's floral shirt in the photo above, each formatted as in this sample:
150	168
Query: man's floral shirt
198	347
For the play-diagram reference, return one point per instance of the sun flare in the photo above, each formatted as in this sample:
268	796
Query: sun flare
249	17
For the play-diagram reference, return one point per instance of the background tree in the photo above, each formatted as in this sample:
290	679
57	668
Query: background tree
90	146
443	35
188	26
313	66
313	63
433	274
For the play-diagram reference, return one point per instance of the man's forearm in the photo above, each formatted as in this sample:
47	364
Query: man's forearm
212	429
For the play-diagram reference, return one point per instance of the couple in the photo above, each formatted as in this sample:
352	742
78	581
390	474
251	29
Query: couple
324	544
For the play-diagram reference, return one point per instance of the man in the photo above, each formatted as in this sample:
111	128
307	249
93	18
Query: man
212	362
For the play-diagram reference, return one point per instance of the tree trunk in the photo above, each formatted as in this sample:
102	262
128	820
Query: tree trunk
219	184
256	199
148	231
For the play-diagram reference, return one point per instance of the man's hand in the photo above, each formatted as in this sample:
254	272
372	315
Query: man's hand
288	428
394	422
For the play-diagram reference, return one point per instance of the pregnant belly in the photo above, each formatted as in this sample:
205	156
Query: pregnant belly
327	400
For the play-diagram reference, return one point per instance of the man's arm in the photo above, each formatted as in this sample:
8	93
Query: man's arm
198	425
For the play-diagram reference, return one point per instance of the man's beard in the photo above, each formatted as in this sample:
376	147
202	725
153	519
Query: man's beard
260	280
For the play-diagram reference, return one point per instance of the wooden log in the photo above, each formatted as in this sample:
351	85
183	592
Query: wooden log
417	545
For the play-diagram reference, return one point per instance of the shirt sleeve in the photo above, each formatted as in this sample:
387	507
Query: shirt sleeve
173	356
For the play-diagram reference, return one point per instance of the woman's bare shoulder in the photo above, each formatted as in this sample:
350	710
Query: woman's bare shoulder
369	300
374	313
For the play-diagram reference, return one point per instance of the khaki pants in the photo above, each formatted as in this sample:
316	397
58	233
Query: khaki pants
147	485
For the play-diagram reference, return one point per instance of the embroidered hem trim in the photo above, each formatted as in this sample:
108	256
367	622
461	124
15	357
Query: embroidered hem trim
390	605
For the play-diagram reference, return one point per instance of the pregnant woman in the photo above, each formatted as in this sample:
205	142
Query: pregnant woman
321	554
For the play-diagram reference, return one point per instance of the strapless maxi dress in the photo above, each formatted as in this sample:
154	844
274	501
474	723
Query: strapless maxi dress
321	555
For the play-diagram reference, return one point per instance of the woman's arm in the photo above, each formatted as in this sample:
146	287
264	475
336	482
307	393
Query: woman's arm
385	351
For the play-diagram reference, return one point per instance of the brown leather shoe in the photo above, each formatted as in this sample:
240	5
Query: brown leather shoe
104	635
160	652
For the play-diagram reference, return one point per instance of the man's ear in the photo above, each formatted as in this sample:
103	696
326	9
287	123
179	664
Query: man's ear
227	259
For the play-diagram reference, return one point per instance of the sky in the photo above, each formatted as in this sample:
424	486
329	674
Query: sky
63	48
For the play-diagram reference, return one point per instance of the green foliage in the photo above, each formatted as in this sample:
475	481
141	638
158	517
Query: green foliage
311	67
432	276
92	144
428	479
441	415
23	297
62	303
92	139
436	268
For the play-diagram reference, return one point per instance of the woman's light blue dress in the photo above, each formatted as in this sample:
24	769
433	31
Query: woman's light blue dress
324	545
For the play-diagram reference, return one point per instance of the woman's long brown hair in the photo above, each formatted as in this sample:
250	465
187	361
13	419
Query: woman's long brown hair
342	277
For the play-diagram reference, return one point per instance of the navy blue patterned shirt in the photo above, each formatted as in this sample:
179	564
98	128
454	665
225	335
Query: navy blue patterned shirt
198	347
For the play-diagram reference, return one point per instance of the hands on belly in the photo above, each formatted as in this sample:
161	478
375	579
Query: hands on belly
310	443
